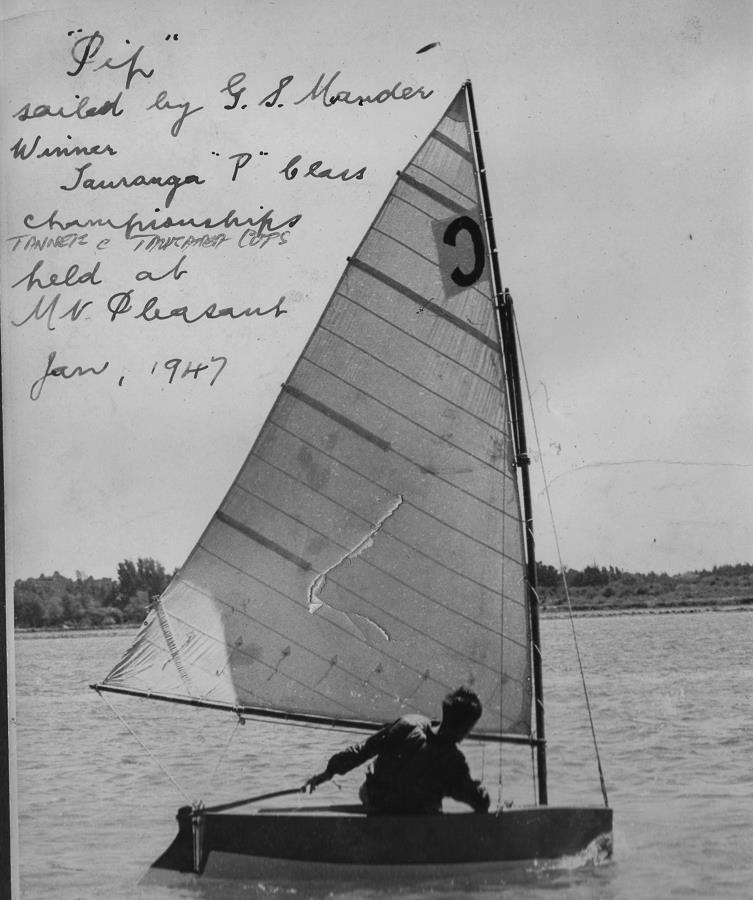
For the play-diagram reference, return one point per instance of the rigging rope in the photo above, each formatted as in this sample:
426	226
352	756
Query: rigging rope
533	775
562	568
144	747
499	779
239	721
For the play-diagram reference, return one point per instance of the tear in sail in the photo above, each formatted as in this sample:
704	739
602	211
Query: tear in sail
368	557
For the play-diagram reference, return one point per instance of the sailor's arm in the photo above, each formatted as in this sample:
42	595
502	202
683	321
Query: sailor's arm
352	757
465	790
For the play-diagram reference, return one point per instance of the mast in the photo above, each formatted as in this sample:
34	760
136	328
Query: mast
504	309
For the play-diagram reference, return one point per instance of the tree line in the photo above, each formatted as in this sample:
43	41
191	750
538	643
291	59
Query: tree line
609	586
54	601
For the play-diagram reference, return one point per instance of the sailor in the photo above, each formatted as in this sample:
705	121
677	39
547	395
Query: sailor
417	765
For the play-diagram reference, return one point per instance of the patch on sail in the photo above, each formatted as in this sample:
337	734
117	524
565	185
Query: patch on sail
314	600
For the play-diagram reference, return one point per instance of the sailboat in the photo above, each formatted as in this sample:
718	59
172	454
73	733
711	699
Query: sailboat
376	549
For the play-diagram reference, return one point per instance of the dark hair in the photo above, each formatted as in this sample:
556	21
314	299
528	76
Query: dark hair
461	709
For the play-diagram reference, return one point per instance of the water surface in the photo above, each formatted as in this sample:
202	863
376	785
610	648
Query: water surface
670	697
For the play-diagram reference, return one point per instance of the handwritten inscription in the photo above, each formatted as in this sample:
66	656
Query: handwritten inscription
120	304
113	85
190	369
48	309
70	279
135	226
83	110
172	181
86	50
163	103
324	91
178	369
20	150
65	372
290	171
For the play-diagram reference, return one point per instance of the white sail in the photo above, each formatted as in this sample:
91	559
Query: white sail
368	557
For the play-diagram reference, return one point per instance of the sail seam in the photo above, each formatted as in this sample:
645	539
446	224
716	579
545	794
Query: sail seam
334	415
242	652
472	200
426	633
431	193
433	262
406	459
418	340
261	539
325	659
358	678
407	418
397	540
395	659
474	288
407	377
348	509
414	250
393	537
423	302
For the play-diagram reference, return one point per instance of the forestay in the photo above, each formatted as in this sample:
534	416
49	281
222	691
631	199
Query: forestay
368	557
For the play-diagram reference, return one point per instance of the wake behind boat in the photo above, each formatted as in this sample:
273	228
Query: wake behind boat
373	552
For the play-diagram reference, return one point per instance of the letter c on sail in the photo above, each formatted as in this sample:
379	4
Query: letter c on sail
466	223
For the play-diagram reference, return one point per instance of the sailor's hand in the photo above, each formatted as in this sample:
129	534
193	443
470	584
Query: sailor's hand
483	801
314	782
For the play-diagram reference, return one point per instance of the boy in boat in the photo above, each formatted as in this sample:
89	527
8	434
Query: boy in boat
416	765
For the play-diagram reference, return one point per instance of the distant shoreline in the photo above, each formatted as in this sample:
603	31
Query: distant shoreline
550	612
59	631
590	612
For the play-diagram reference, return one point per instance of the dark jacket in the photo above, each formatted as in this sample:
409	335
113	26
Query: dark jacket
414	770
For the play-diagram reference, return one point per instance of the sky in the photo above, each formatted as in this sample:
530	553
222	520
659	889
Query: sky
617	140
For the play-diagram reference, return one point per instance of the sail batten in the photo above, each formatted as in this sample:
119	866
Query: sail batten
396	545
448	486
272	468
417	420
261	624
432	193
442	398
435	348
425	304
455	147
369	555
468	619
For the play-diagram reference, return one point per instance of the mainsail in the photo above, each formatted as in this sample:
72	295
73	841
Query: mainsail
368	557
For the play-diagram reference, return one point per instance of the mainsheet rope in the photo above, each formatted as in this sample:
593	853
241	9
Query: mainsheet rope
561	568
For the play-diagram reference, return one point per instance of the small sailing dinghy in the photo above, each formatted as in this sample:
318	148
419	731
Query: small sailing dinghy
373	552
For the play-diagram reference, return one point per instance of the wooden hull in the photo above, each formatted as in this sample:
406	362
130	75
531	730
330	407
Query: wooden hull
343	841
